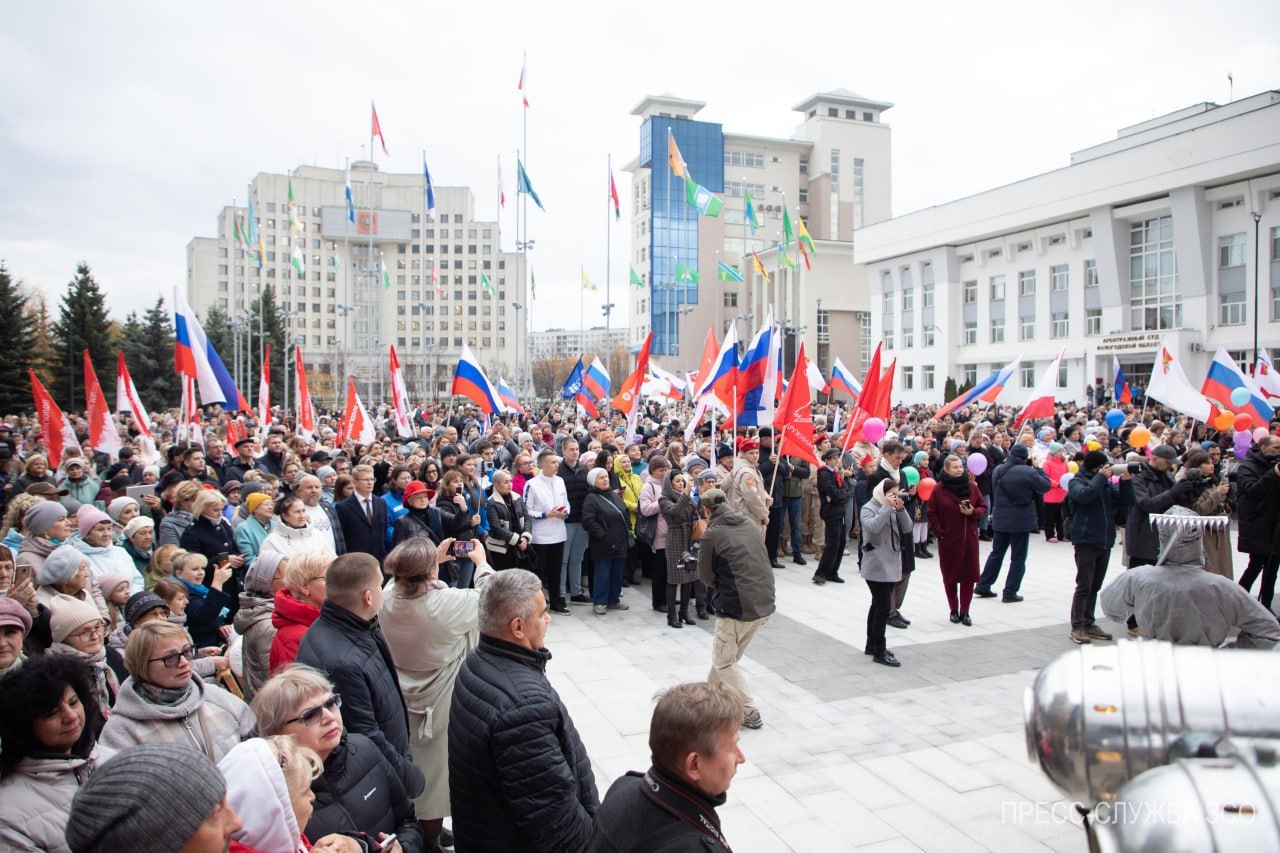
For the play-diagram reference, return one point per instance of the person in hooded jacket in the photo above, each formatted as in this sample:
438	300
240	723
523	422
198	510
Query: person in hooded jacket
253	620
49	726
358	791
1094	502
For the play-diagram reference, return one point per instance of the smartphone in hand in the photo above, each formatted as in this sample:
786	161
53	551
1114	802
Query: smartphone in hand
462	546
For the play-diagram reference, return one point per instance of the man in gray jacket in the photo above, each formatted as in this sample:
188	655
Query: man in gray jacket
734	565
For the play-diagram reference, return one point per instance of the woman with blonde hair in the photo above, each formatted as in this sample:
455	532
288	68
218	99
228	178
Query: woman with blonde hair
297	605
14	531
161	564
182	496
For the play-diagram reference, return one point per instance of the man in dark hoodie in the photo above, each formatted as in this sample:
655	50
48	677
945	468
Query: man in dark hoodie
1014	488
734	565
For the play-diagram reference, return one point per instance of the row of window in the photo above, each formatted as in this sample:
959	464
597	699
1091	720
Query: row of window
315	211
1232	248
1233	308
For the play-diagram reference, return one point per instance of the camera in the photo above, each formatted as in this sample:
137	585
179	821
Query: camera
1133	467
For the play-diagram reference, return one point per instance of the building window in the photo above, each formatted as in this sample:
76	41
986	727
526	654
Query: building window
1059	277
857	192
1275	244
969	374
1027	376
1027	283
908	300
928	336
731	299
888	302
1091	273
1061	325
824	327
835	170
997	288
1231	250
888	339
997	331
1062	375
735	188
1231	309
1093	321
908	378
744	158
971	332
926	376
1027	328
908	338
1154	301
864	352
926	296
970	292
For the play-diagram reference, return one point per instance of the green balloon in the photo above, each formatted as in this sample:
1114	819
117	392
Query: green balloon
912	475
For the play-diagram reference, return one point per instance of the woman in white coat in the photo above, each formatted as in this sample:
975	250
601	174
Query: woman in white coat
430	627
291	535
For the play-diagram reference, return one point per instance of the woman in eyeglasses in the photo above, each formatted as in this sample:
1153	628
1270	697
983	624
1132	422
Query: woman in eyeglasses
359	790
160	701
77	631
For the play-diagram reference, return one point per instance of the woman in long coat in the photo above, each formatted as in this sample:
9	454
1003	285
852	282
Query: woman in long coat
677	509
956	509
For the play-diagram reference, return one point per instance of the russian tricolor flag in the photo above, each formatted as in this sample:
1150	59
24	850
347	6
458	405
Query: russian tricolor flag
1226	376
469	381
987	390
722	375
843	380
1122	393
196	358
759	376
508	397
596	379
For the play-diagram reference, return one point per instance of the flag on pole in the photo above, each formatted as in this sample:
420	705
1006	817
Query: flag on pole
103	435
701	198
758	379
588	284
377	130
636	280
306	412
842	379
355	425
509	401
399	397
533	286
1224	378
351	205
686	275
58	435
985	391
1169	385
469	381
502	192
488	285
859	414
725	272
596	379
127	399
524	95
613	194
629	395
752	219
1041	403
1121	393
793	422
759	267
264	390
295	223
816	383
1265	376
255	235
572	386
678	167
386	275
299	261
788	235
805	241
523	185
434	283
430	189
195	357
722	375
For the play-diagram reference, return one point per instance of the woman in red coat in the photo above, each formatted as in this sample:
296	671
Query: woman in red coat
955	509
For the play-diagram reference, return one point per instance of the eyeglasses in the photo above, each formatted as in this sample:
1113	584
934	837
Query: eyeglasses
91	632
172	659
311	716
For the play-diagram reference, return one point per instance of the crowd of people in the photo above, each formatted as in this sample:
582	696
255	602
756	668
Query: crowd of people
296	643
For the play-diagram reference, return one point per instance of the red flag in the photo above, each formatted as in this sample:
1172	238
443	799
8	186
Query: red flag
870	391
1041	403
520	87
127	398
57	432
264	391
883	403
587	404
355	424
306	424
377	130
630	391
613	194
793	422
103	434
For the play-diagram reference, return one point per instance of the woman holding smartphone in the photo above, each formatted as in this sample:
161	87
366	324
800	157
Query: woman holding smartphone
956	509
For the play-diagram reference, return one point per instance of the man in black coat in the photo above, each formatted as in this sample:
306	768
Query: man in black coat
1094	501
835	490
1154	491
1258	490
363	516
769	462
243	462
272	461
519	776
346	643
693	744
1014	488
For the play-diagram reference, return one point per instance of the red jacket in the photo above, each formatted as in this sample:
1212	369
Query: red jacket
1055	468
237	847
291	619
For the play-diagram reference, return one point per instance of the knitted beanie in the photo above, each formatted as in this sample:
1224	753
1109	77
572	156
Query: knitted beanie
40	517
141	603
88	517
255	500
138	523
262	571
117	809
60	566
68	614
108	582
118	506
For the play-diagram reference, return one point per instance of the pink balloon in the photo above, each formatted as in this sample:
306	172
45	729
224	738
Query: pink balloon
977	464
873	430
1259	433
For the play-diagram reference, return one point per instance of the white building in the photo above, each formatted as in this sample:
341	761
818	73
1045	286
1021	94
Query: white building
834	172
346	314
570	343
1151	235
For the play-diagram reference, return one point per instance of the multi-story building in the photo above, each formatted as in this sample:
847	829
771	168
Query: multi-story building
561	343
834	173
395	275
1171	232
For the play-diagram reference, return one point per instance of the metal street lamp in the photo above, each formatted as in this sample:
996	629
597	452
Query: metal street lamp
1257	218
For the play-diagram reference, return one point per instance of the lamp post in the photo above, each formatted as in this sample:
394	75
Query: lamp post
522	353
1257	219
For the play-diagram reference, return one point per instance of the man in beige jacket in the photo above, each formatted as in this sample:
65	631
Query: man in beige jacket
749	494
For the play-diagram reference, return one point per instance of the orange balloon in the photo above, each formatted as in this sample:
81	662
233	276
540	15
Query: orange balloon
1139	437
1244	422
1225	420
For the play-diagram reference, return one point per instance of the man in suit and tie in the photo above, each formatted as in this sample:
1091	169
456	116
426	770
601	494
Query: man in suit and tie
835	490
363	516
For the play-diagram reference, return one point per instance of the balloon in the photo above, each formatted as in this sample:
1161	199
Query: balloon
1243	439
927	485
1244	420
1139	437
978	464
1259	433
873	430
1065	479
1240	451
912	476
1093	445
1225	420
1240	397
1073	467
1115	418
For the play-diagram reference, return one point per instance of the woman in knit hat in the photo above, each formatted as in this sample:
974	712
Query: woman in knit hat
47	527
328	479
15	624
163	702
181	496
1055	466
253	620
138	540
97	543
253	530
78	631
115	592
66	572
122	511
49	724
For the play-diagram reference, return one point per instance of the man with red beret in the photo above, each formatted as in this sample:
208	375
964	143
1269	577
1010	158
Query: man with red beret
749	493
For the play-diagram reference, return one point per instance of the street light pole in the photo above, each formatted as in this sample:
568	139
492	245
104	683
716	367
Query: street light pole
1257	219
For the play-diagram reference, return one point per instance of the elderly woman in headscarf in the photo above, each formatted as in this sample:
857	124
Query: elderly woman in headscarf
677	509
253	531
253	620
15	624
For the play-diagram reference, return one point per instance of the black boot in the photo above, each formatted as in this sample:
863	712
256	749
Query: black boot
684	614
673	616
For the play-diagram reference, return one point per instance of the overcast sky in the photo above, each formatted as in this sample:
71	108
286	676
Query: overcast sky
125	127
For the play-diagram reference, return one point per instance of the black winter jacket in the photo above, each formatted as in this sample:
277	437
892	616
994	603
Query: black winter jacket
519	776
354	654
575	486
605	519
1094	502
1014	487
1258	491
360	791
1153	492
630	822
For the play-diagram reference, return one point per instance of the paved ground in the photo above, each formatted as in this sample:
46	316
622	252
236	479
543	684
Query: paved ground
929	756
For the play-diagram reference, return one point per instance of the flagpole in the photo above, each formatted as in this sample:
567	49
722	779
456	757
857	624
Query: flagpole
582	309
608	256
524	208
422	278
262	334
346	290
782	440
369	285
235	250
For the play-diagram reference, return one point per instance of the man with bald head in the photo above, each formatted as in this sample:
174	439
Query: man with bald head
321	516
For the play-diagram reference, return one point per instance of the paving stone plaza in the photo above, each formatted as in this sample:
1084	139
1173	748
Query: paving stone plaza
852	755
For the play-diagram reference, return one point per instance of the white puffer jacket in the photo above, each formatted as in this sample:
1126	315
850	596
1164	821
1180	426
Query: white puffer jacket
35	800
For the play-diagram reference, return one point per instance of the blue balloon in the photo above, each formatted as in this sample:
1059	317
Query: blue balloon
1240	396
1115	418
